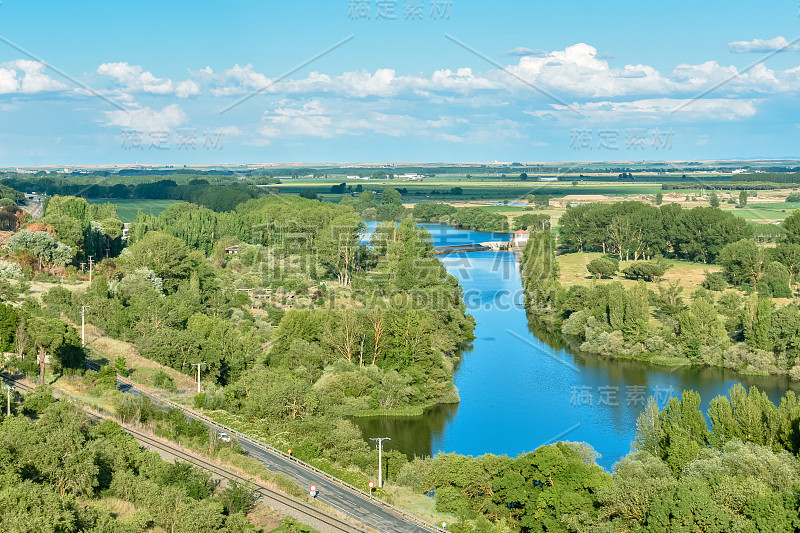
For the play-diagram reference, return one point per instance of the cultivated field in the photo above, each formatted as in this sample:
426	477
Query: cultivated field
127	210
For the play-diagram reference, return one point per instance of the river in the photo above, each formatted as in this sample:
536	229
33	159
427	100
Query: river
522	389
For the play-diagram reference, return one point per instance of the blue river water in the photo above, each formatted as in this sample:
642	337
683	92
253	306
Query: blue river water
521	389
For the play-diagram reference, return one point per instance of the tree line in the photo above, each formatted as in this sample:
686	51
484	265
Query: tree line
634	230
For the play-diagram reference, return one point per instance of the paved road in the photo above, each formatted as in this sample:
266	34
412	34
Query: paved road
354	505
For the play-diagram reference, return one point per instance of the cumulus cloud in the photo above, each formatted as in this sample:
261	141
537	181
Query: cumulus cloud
236	80
778	44
577	71
133	79
146	119
26	77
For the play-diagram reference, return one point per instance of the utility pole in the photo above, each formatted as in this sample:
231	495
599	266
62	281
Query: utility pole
83	309
91	262
198	365
380	458
9	388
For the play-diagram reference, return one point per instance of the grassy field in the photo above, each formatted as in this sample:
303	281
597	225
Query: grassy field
573	271
765	211
438	189
128	209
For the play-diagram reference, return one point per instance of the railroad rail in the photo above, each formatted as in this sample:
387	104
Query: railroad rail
275	451
310	514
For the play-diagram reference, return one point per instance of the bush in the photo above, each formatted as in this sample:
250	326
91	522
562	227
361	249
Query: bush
602	267
10	270
162	380
647	270
793	198
714	281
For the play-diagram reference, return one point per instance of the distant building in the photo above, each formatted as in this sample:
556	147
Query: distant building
411	177
544	178
232	250
519	238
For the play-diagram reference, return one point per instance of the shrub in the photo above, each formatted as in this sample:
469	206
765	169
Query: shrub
162	380
602	267
646	270
10	270
714	281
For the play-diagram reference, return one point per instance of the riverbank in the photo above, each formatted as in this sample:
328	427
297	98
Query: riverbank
612	320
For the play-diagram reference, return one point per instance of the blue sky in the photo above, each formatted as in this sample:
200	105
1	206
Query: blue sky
92	82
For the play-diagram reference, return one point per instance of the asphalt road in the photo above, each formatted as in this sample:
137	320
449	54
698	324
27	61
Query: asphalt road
354	505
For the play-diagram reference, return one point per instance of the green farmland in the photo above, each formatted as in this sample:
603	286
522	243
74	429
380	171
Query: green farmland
474	189
128	209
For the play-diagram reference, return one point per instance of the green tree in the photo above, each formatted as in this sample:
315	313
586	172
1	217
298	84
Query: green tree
776	278
167	256
714	281
757	322
788	254
56	342
339	244
391	197
602	267
743	262
742	198
616	306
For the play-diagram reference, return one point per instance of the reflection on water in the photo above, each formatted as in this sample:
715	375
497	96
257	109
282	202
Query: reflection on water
410	435
521	388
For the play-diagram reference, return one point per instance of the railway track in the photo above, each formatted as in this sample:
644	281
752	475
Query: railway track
352	501
367	510
309	514
312	516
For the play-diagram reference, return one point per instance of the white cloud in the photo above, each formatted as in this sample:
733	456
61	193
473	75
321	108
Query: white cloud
134	79
8	81
186	88
657	109
290	120
145	119
763	45
26	77
237	80
522	51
